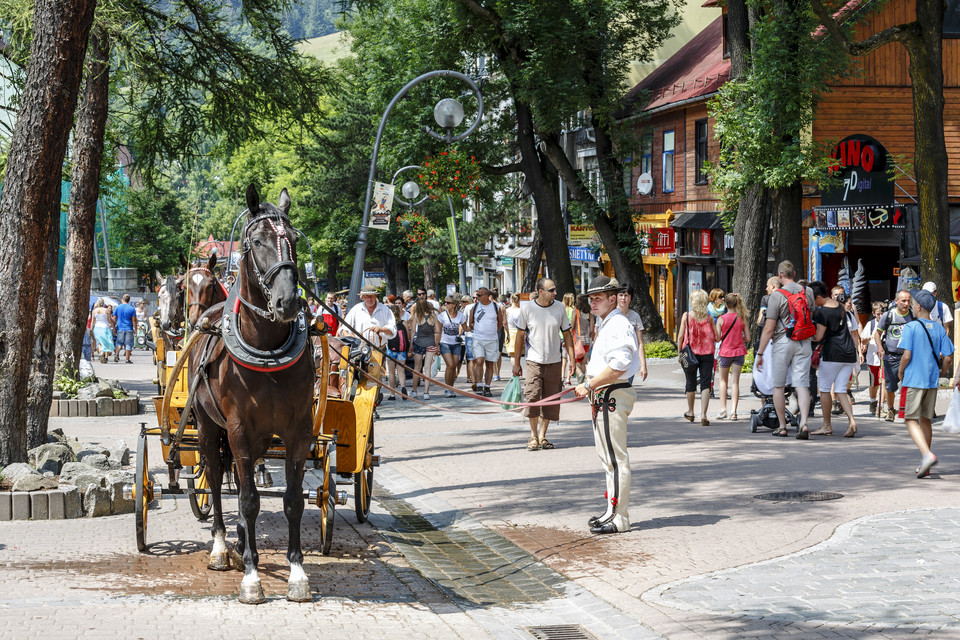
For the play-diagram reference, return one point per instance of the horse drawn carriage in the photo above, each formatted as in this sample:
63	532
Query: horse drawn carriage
242	387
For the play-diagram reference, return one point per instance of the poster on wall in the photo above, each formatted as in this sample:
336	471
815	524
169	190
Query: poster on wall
694	281
860	217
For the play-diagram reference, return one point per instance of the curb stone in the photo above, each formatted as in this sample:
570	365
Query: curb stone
75	408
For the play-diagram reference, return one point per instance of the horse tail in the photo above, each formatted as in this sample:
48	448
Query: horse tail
226	456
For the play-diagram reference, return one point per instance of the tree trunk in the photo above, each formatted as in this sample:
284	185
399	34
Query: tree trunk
81	218
751	246
545	187
43	361
390	267
333	266
31	197
931	162
532	274
429	273
403	276
787	226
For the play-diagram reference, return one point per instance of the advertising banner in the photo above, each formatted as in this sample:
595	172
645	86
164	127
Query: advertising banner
382	206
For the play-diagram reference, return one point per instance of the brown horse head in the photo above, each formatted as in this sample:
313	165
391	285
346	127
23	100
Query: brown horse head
269	264
203	290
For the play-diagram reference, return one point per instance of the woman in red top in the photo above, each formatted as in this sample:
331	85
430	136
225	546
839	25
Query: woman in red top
699	330
734	338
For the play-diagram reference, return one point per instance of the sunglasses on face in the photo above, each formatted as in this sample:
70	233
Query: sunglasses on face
553	290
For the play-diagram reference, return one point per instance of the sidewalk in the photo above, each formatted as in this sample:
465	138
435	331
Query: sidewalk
472	536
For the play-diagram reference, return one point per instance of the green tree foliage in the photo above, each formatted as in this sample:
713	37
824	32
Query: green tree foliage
154	233
761	118
311	18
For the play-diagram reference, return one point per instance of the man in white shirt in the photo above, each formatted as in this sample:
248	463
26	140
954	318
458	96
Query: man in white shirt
484	319
614	359
371	318
432	299
941	312
542	322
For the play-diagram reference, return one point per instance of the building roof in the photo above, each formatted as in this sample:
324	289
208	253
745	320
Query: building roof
697	70
222	247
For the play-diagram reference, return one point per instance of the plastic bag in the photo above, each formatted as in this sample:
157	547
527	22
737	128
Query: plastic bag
511	393
435	368
951	421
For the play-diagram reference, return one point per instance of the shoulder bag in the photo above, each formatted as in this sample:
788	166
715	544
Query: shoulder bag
579	353
936	354
688	359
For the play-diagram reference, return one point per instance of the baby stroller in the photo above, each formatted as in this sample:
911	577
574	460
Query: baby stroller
762	387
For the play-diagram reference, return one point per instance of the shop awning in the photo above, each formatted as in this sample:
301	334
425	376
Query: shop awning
696	220
521	253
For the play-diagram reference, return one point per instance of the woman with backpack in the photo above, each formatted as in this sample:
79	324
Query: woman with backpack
698	330
397	352
734	338
424	325
453	323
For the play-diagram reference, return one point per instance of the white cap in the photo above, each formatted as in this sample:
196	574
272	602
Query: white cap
929	286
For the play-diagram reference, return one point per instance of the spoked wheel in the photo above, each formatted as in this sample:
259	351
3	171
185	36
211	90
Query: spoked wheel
363	482
143	489
326	500
199	502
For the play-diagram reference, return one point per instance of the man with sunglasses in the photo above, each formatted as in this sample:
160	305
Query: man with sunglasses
542	322
485	319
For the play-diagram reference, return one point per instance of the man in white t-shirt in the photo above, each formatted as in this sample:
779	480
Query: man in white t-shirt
484	319
371	318
542	322
941	312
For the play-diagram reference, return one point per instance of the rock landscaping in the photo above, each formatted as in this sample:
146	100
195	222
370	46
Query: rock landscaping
66	478
97	398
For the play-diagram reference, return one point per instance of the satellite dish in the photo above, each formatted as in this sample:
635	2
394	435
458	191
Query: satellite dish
645	183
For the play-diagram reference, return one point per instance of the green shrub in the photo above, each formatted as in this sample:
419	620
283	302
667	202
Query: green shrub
661	349
748	362
119	394
70	383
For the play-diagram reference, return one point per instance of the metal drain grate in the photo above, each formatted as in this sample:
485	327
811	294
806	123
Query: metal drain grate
560	632
799	496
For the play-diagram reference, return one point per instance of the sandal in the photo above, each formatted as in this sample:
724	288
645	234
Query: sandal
822	431
688	416
704	422
733	417
546	444
533	444
851	432
722	415
780	432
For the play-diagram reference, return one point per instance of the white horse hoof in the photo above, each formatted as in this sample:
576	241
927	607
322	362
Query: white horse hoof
251	593
299	592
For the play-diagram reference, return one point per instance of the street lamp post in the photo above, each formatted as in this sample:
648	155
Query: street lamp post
449	114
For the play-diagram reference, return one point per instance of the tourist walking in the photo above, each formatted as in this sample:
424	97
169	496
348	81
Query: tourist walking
513	313
453	323
927	350
570	310
839	355
485	319
942	312
887	337
125	317
716	307
614	360
542	322
397	348
698	330
734	337
624	298
789	325
103	329
424	326
584	331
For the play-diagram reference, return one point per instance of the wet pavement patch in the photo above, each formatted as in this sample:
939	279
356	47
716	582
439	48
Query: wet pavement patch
475	565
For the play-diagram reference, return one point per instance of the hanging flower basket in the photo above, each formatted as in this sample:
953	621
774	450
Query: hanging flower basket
417	231
449	173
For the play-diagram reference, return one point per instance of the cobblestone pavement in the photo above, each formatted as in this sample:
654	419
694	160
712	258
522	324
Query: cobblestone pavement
472	536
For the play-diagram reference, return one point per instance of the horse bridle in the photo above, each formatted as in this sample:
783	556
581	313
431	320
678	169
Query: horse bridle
277	222
203	307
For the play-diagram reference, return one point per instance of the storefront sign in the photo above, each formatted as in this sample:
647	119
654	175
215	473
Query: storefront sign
663	240
581	235
863	217
706	242
583	254
861	168
506	262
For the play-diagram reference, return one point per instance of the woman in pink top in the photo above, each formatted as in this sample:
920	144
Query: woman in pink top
699	330
734	338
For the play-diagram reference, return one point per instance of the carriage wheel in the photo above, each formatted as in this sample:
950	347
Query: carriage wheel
144	493
327	502
363	482
199	502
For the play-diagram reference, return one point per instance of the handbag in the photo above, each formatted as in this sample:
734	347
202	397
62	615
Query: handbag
688	359
579	353
815	357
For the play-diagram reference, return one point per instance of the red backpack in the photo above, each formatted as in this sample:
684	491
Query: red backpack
802	326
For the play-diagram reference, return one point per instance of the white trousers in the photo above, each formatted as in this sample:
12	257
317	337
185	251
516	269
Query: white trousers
611	406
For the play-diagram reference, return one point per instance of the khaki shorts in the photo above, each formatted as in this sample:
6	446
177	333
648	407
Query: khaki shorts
920	403
793	356
542	381
486	349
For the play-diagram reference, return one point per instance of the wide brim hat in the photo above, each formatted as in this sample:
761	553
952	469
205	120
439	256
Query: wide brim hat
604	284
368	290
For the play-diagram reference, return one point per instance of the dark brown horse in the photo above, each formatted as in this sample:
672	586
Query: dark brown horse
242	405
203	290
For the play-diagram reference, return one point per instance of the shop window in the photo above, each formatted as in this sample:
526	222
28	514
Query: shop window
700	151
951	19
668	161
646	153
